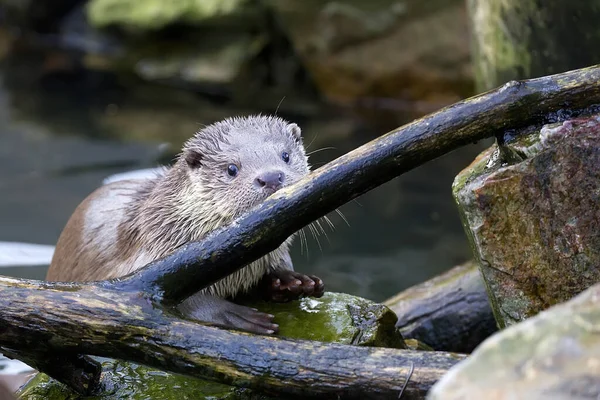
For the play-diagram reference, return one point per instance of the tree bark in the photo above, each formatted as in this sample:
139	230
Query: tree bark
450	312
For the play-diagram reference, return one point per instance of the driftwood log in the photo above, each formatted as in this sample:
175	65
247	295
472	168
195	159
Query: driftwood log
450	312
123	325
131	318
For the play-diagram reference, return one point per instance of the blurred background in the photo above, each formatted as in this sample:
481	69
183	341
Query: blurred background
93	88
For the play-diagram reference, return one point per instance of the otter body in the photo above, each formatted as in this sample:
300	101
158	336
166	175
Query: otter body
223	171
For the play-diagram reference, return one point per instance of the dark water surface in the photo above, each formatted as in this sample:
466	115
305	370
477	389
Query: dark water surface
60	138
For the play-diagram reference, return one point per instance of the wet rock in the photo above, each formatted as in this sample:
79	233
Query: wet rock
533	220
450	312
410	50
554	355
336	318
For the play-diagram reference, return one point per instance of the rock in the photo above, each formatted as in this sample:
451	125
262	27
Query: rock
450	312
336	318
554	355
208	63
533	222
155	14
410	50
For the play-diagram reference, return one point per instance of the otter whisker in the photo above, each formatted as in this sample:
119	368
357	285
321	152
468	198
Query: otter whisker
321	149
279	105
342	216
315	234
312	141
305	242
318	222
331	225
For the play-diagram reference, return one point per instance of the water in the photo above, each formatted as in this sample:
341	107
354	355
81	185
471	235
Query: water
60	138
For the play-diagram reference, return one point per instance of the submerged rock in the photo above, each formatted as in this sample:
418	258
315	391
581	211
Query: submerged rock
532	214
336	318
554	355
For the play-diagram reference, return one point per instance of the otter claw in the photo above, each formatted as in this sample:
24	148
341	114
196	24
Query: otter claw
283	286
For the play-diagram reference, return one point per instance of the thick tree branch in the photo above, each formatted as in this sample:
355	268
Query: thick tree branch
514	105
123	325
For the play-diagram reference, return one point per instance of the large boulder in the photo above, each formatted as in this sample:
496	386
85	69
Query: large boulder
531	211
552	356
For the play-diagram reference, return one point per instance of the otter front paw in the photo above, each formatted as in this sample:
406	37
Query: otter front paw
227	314
285	285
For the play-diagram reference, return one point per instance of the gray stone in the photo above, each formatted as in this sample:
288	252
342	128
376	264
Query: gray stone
554	355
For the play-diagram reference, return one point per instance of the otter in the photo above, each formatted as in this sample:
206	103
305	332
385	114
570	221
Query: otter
223	171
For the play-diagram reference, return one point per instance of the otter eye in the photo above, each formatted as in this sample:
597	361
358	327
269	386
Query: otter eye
232	170
285	156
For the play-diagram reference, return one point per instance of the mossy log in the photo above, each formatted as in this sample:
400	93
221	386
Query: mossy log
130	318
450	312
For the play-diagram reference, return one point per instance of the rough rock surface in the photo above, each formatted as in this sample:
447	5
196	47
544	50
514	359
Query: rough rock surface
336	317
534	220
450	312
554	355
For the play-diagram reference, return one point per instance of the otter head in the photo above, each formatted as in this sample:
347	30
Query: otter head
237	163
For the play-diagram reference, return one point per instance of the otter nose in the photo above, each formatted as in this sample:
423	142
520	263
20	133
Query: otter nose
270	180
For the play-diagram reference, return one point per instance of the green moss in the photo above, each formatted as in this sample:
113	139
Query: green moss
336	318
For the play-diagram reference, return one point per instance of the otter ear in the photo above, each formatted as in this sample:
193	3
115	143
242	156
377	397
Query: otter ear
193	158
295	131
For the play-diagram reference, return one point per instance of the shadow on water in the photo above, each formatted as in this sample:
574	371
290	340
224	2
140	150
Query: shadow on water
61	136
